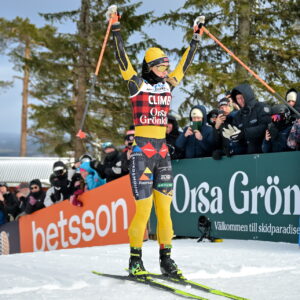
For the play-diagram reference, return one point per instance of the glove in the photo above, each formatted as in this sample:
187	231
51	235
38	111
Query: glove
232	133
117	168
112	12
198	23
74	198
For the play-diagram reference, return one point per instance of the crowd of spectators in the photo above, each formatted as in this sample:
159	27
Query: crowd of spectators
239	124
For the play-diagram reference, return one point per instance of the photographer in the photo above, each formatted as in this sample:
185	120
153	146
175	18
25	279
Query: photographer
224	118
60	184
197	140
278	130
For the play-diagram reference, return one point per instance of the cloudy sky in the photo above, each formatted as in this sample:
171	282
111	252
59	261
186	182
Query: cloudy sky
10	100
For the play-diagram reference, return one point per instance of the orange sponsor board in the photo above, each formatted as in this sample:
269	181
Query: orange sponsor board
103	220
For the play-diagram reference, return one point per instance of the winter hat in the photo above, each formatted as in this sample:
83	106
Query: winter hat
223	101
291	96
85	157
35	182
129	135
107	145
59	165
23	185
155	56
196	112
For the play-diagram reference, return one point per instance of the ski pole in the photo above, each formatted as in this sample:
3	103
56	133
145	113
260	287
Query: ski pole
250	71
81	134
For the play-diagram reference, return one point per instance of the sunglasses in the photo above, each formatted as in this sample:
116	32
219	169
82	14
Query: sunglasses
34	187
162	68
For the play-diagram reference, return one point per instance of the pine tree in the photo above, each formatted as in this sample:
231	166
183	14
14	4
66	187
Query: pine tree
20	39
62	75
261	33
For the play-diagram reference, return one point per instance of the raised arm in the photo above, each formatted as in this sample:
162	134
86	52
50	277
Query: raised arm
176	76
127	71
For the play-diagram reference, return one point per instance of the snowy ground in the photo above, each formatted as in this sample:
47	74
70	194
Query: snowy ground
252	269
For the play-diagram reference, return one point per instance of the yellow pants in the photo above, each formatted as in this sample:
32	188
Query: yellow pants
138	224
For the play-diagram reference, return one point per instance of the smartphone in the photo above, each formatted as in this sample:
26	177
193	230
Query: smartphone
194	126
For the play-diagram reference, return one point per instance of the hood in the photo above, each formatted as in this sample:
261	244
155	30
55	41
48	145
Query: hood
203	110
172	120
297	105
87	166
246	90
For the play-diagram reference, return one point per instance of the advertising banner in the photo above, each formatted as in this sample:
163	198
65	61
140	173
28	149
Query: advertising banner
9	238
103	220
244	197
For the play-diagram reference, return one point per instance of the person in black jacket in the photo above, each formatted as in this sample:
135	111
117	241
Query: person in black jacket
61	184
10	201
249	123
112	166
171	136
36	197
197	139
278	130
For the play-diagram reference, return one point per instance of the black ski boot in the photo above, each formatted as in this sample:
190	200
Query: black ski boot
168	266
136	266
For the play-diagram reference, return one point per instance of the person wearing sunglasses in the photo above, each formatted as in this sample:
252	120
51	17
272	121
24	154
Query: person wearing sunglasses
150	164
278	130
35	200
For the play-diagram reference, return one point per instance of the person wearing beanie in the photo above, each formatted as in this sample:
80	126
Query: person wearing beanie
197	139
35	200
61	186
293	99
151	97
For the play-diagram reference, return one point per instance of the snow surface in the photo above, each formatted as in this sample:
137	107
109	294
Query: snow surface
252	269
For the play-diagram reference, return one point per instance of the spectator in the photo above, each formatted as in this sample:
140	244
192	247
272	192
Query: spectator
249	123
212	116
36	197
278	130
293	140
90	176
126	152
233	105
23	192
61	188
10	201
197	140
293	98
223	120
112	167
171	137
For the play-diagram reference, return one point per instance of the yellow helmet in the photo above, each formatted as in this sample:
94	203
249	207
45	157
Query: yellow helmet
155	56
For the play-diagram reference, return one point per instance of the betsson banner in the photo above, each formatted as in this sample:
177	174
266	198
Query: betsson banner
103	220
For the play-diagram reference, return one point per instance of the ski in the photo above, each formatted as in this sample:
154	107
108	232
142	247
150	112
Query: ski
148	280
184	281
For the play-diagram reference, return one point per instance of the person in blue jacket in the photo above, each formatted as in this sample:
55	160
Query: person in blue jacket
91	177
197	139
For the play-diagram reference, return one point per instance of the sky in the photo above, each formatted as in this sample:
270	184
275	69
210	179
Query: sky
251	269
11	99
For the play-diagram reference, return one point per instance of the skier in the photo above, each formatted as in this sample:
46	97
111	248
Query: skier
150	165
